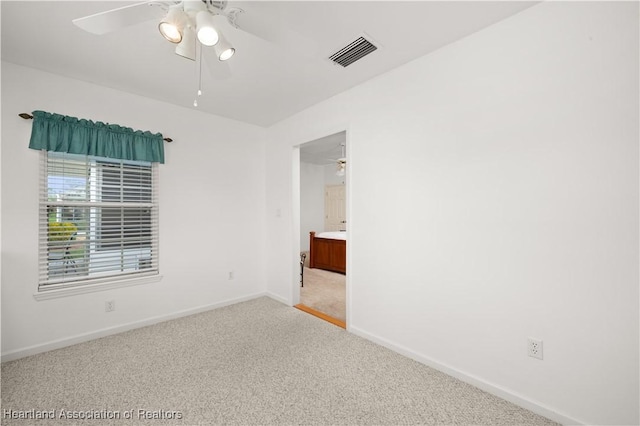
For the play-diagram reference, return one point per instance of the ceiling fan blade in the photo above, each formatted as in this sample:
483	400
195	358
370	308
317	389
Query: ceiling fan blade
274	32
115	19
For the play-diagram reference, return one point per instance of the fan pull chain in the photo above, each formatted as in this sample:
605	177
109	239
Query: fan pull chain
195	101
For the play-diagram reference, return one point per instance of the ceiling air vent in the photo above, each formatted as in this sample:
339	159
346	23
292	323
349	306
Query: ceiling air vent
352	52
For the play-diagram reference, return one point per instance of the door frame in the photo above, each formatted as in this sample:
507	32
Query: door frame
295	199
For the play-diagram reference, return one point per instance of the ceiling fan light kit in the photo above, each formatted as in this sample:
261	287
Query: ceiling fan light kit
187	47
193	15
172	26
223	49
207	34
189	24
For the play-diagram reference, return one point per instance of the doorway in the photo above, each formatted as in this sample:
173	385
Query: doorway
322	199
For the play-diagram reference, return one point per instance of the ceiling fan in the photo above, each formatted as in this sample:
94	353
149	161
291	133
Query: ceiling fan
341	166
192	24
186	23
341	163
195	27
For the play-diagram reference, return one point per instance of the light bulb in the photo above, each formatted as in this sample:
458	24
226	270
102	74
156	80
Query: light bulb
205	31
172	24
227	54
170	32
208	36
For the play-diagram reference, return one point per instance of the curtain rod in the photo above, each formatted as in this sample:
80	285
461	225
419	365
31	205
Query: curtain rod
30	117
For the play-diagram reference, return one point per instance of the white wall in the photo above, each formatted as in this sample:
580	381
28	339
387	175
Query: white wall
1	249
212	209
311	201
508	208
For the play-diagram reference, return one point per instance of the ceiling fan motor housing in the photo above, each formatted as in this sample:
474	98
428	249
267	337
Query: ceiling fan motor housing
215	6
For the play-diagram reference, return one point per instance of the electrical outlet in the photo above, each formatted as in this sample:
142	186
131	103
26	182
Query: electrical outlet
110	306
535	348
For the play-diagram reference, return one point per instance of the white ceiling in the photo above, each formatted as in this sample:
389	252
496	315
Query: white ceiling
267	83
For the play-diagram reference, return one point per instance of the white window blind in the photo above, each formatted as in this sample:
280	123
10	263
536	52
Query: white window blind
98	220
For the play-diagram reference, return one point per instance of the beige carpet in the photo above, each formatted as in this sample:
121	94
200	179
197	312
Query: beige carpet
324	291
254	363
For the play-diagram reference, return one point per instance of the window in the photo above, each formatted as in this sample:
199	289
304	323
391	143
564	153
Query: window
133	186
98	220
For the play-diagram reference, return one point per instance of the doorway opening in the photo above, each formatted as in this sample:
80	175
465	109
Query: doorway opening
323	228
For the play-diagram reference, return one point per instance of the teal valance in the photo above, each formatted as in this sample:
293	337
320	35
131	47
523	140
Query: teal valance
61	133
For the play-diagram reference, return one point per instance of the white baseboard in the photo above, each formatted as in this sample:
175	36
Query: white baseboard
278	298
478	382
85	337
